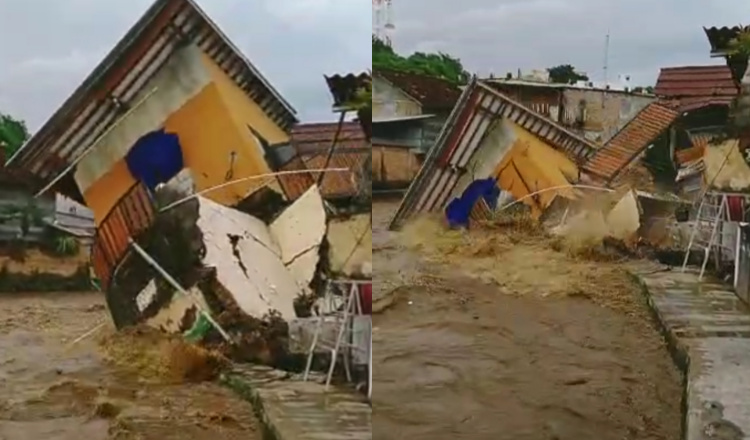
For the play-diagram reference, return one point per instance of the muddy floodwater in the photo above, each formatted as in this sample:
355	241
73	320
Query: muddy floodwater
509	338
52	390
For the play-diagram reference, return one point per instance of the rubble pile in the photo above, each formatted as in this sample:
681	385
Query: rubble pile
251	276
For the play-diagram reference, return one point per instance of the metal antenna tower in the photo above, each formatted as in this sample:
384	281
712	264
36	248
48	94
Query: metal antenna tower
382	16
606	60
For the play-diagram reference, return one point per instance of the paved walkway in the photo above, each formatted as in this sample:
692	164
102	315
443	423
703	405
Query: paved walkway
295	410
708	329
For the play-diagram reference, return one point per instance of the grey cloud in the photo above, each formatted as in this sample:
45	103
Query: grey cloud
498	36
47	47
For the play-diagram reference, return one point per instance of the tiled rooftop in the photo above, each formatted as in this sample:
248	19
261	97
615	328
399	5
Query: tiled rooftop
317	137
434	94
692	87
312	142
629	142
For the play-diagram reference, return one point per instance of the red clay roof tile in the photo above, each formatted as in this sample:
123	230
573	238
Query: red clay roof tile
433	93
629	142
317	137
692	87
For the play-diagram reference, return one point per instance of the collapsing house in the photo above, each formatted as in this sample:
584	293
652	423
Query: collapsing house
536	161
172	142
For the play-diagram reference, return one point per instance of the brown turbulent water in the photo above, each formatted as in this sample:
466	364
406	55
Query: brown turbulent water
459	357
54	391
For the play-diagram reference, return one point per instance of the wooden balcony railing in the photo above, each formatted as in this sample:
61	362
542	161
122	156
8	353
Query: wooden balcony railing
132	215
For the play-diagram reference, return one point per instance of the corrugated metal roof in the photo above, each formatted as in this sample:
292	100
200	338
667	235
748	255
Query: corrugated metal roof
431	92
96	104
629	142
317	137
476	113
344	87
720	37
692	87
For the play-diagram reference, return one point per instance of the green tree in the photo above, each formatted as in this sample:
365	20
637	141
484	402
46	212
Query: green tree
566	74
13	134
738	54
439	64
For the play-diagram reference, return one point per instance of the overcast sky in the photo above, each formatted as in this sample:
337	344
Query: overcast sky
47	47
499	36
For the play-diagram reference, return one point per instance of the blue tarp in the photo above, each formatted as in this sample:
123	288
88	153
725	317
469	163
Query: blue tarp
458	210
155	158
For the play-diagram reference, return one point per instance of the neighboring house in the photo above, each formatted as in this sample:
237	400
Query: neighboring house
693	88
73	218
703	95
310	144
174	84
49	211
595	113
17	205
409	110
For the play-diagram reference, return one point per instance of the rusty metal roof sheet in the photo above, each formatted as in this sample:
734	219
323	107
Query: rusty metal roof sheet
343	88
431	92
691	87
317	137
629	142
720	37
123	74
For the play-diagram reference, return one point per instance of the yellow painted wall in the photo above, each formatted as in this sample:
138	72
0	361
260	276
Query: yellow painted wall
208	136
244	112
105	192
532	165
210	126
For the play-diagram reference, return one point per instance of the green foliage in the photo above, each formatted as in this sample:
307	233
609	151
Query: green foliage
66	245
28	215
740	45
362	99
566	74
439	65
640	89
13	134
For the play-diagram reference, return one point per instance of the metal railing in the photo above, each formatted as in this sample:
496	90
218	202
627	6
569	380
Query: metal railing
133	214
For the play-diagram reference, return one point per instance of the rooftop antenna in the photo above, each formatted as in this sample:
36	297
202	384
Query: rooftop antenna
606	66
382	16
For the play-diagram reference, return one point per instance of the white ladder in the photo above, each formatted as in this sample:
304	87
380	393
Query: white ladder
344	320
711	215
